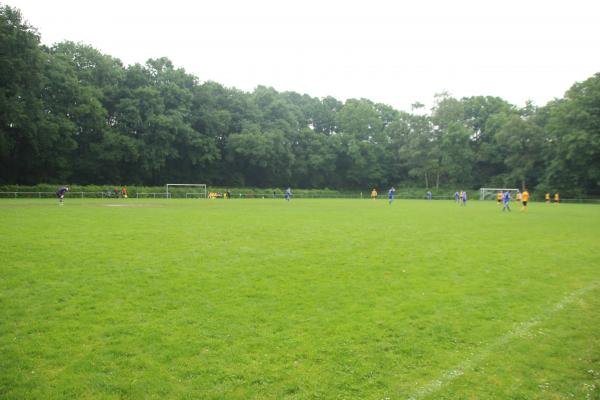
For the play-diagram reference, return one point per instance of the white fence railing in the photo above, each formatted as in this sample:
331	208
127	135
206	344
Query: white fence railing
45	195
153	195
163	195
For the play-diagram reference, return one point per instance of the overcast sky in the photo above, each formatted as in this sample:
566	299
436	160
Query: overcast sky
393	52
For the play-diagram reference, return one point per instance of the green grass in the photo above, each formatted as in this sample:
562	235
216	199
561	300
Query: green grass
313	299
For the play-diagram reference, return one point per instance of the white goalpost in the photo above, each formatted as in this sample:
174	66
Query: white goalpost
490	193
199	193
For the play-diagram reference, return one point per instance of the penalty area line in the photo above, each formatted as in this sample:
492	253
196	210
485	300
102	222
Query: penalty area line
519	330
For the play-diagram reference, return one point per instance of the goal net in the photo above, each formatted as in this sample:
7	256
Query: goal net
186	190
490	193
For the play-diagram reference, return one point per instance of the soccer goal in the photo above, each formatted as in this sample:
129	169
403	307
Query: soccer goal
490	193
199	190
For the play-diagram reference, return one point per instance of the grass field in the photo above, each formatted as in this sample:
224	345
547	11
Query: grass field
312	299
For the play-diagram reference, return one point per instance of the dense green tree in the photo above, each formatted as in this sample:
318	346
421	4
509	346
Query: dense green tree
261	156
400	133
74	96
521	141
573	127
71	113
360	119
324	115
314	159
484	115
21	110
447	118
457	154
417	153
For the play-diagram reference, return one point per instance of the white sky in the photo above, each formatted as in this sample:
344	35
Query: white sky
394	52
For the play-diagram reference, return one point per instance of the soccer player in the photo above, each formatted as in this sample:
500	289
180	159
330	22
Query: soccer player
519	196
464	198
456	197
60	194
525	199
499	197
547	198
373	194
505	201
288	194
556	198
391	195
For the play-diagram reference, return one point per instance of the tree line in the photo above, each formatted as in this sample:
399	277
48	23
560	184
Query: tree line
69	113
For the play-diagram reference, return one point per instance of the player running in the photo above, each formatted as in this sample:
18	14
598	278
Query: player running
391	195
60	194
499	197
505	201
525	199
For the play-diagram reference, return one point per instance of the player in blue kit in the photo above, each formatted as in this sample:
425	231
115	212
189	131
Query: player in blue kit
391	194
288	194
505	201
60	194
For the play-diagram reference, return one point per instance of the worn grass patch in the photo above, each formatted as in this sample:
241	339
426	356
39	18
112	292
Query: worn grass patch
263	299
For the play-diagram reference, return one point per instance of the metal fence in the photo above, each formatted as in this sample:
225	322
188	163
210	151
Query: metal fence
163	195
589	201
46	195
153	195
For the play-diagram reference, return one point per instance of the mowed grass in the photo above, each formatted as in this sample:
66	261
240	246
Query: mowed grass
312	299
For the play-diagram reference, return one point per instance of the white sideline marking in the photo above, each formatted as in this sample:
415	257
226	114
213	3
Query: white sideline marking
134	205
519	330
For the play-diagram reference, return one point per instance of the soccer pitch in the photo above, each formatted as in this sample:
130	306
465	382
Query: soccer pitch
327	299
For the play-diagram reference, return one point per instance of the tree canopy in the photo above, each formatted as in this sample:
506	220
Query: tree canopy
69	113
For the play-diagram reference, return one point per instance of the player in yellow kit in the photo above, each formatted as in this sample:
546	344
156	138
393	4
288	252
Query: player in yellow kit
556	198
499	198
524	200
547	197
374	194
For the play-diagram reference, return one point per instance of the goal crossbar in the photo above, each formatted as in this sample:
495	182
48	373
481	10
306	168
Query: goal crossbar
491	192
202	187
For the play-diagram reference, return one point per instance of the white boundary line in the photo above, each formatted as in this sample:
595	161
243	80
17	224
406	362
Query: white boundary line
519	330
